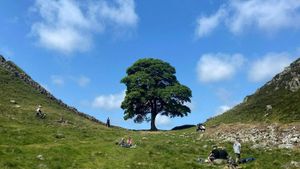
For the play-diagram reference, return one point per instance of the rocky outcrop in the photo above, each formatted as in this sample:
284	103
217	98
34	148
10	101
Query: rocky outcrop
288	79
17	72
260	136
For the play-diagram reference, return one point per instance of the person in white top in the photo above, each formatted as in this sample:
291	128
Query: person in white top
237	150
39	112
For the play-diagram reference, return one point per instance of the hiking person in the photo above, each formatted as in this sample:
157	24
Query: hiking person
39	112
108	122
214	154
237	150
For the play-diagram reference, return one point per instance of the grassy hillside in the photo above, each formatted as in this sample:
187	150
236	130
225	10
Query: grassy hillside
82	143
280	93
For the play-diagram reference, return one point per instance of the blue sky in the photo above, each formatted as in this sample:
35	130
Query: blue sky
80	50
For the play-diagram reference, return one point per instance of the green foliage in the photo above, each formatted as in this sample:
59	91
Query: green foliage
152	88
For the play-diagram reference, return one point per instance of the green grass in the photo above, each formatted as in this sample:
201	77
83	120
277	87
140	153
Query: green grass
87	144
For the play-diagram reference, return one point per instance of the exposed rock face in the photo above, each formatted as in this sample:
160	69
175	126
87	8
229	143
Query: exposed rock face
2	59
15	71
261	136
289	78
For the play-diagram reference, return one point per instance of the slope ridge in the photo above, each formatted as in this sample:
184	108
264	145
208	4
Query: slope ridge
276	101
19	74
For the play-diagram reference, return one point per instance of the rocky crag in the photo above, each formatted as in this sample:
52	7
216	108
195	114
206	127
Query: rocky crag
278	101
19	73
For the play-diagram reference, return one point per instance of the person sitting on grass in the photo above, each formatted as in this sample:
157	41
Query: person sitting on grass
122	143
214	154
223	154
127	144
129	141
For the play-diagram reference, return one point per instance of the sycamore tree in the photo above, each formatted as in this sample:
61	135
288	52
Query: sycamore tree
152	89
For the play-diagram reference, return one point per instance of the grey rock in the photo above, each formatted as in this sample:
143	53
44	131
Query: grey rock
286	146
40	157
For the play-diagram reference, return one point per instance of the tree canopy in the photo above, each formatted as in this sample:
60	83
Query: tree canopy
152	88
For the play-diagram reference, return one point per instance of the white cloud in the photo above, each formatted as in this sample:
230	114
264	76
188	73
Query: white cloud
222	109
83	81
206	24
123	14
57	80
267	15
162	120
67	26
268	66
216	67
109	102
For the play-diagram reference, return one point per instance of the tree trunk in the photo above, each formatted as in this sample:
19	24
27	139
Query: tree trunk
153	127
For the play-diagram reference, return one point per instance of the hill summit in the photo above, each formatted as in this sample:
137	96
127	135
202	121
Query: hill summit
276	101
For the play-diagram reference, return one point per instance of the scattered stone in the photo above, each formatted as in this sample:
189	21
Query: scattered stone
269	107
13	101
261	137
295	164
287	146
258	146
59	136
292	164
17	106
40	157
